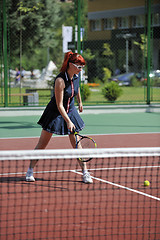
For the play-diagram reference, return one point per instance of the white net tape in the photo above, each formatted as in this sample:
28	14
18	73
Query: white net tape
77	153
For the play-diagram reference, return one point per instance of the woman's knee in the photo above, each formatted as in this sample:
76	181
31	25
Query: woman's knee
43	140
72	140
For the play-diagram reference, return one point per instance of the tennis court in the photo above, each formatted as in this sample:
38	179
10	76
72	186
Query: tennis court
19	129
59	206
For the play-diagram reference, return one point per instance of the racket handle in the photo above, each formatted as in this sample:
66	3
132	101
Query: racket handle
74	131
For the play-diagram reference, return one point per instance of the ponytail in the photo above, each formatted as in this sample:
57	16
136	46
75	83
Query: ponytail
66	60
72	57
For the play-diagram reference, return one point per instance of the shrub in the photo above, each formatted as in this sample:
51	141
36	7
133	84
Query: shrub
96	80
85	91
112	91
155	82
135	82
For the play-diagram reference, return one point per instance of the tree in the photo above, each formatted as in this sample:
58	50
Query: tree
142	44
33	26
108	62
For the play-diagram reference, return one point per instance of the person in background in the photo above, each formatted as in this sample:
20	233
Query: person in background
60	115
18	76
32	74
22	72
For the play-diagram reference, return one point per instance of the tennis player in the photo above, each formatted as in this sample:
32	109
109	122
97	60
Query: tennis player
60	115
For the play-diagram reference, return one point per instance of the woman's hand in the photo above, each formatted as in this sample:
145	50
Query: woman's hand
70	126
80	107
79	100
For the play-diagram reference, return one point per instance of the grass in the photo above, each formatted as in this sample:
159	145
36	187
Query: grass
130	95
44	97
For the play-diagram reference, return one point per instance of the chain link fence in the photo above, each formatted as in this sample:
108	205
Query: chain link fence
117	42
34	50
114	44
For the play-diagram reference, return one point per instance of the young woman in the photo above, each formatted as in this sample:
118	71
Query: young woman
60	116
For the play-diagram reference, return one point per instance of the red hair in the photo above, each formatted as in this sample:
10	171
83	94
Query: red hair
73	58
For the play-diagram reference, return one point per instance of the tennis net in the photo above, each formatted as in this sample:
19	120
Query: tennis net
58	205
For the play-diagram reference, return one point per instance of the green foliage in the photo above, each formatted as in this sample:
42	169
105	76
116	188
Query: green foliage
135	82
112	91
87	54
155	81
107	74
97	60
35	26
108	61
107	50
85	92
23	9
66	11
97	80
142	44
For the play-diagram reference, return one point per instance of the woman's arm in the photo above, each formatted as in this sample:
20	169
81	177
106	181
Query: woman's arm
79	100
59	91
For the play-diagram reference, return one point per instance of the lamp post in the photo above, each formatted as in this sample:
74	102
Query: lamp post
126	37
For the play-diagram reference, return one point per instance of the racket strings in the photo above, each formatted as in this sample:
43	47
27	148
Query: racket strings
86	143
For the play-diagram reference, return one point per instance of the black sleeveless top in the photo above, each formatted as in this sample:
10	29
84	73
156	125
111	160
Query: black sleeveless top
51	119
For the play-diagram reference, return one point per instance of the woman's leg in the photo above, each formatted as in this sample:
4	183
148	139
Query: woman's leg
42	143
73	143
86	176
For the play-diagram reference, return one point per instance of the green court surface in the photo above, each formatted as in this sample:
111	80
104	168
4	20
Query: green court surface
110	123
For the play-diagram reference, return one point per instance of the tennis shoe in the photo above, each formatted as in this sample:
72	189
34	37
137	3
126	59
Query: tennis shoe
29	176
87	177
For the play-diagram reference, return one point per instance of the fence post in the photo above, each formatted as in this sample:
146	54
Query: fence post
5	55
148	48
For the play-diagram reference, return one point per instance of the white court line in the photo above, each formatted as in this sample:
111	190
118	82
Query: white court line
98	179
54	135
88	134
121	168
121	186
23	173
90	169
108	134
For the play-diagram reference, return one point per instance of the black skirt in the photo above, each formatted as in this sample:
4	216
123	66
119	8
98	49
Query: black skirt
56	124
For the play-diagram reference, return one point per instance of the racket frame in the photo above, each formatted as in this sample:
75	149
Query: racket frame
77	142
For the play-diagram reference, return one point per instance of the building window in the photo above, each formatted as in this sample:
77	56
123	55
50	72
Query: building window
156	19
96	25
123	22
138	21
108	23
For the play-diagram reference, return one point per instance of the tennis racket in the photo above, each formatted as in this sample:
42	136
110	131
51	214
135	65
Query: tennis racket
84	142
